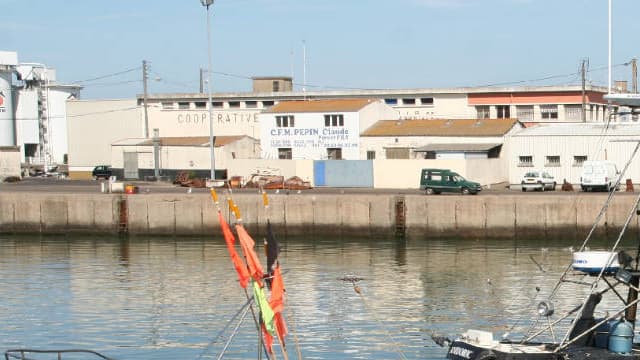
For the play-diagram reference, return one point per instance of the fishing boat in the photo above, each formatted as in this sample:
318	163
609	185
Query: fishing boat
590	313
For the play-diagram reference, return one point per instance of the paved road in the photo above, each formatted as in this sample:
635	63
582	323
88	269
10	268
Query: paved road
36	184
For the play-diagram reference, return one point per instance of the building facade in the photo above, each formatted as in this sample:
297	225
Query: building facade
318	129
561	149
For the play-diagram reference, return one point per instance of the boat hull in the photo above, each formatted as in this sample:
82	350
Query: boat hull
462	350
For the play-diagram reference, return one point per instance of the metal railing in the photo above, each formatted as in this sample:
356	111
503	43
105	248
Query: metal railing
22	354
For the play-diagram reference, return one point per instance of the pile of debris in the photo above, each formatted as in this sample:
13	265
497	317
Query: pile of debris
184	179
272	182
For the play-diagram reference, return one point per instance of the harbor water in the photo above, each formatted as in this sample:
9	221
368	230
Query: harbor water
169	298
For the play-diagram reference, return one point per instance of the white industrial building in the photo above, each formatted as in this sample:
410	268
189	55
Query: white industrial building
319	129
560	149
137	157
33	111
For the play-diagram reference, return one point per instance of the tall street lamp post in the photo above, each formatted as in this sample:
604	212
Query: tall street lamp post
207	4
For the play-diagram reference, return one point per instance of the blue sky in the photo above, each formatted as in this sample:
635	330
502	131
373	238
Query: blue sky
357	44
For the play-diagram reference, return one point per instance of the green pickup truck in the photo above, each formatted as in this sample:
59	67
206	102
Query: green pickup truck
436	181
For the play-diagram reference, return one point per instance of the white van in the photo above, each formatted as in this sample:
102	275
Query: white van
598	175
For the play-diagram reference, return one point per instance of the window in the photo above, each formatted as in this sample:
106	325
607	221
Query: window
391	101
267	103
234	104
334	153
183	105
408	101
285	121
167	105
526	160
276	86
430	155
578	160
285	153
524	113
371	155
549	112
482	112
201	105
251	104
426	101
217	104
398	153
553	160
573	112
334	120
503	111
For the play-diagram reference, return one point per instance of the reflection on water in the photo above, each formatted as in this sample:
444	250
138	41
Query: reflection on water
165	298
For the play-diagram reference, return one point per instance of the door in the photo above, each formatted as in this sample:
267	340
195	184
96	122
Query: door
130	165
318	173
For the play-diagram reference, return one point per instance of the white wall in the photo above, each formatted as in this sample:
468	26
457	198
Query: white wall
309	139
9	162
405	174
27	124
286	168
92	127
195	122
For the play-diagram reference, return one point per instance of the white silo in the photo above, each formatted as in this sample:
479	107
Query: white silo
8	61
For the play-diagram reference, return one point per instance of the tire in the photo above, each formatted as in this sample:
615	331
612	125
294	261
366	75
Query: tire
429	191
554	186
465	191
541	187
524	190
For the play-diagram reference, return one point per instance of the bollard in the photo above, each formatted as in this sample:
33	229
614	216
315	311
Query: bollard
629	185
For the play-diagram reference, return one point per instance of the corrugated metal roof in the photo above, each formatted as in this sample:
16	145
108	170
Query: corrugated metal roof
333	105
457	147
441	127
582	129
181	141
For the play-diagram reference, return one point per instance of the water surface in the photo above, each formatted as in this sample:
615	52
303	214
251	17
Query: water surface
166	298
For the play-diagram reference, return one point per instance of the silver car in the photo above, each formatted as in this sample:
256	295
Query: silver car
538	180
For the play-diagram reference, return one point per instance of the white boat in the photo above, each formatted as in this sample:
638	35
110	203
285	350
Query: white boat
595	262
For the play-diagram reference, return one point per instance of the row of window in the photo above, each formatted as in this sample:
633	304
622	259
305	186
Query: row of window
551	160
335	120
572	112
254	104
409	101
187	105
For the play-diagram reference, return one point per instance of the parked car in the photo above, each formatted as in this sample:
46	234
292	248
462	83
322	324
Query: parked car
436	181
101	171
538	180
598	175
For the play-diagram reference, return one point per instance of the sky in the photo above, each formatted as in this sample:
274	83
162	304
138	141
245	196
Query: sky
349	44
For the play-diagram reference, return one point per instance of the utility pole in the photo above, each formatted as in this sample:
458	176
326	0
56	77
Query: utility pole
583	71
202	80
144	99
634	75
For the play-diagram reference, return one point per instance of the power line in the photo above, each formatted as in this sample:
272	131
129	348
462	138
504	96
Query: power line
74	115
109	75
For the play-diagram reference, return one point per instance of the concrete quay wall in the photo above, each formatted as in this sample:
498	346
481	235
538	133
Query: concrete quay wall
368	215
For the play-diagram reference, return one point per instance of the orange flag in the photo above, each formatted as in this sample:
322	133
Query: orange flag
277	291
247	244
243	273
277	303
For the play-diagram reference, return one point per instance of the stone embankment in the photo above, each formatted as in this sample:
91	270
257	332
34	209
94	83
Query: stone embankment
367	215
